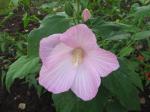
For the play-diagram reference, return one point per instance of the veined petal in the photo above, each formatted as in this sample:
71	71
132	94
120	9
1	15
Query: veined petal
79	36
86	82
59	77
47	45
58	54
104	61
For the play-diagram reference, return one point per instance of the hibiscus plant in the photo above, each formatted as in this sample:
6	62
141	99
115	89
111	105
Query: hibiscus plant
84	59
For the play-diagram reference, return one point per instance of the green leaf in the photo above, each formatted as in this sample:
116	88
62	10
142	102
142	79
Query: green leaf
113	31
125	51
15	2
69	9
142	35
48	5
146	55
84	3
120	36
50	25
129	70
21	68
142	12
25	19
33	82
4	6
144	1
123	88
115	106
68	102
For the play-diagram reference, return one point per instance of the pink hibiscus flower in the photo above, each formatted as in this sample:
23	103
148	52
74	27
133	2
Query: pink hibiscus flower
73	60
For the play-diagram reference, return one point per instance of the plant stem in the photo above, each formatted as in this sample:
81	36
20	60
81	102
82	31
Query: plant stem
78	5
78	10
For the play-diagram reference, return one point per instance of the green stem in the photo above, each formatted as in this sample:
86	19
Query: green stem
78	10
78	5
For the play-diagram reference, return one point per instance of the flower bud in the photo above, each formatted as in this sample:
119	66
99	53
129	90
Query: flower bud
86	15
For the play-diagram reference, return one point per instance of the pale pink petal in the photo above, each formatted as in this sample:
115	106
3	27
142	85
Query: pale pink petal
59	76
86	83
86	15
47	45
79	36
104	61
58	54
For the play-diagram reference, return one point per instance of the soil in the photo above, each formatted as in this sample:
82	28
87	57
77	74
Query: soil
145	99
13	24
23	99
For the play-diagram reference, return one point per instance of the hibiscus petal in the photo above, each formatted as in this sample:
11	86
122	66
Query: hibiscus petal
79	36
59	77
104	61
58	54
47	44
86	82
58	72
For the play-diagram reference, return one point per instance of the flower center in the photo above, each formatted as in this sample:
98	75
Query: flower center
77	56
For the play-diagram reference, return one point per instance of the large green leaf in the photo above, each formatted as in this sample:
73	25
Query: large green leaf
50	25
142	12
20	68
142	35
68	102
120	36
115	106
113	31
122	84
144	1
129	71
125	51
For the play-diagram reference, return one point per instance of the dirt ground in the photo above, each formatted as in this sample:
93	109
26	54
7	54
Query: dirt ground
23	99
